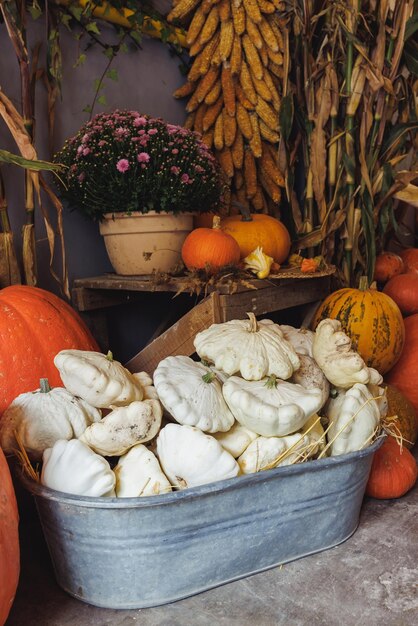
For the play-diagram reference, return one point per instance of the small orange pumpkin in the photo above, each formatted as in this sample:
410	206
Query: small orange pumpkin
403	289
406	418
410	259
394	471
404	375
371	319
388	264
259	230
210	248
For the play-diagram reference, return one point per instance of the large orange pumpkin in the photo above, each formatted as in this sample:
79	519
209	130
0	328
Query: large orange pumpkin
404	375
35	325
261	230
406	421
403	289
394	471
9	541
371	319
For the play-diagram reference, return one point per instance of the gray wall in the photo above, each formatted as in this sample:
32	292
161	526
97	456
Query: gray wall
147	79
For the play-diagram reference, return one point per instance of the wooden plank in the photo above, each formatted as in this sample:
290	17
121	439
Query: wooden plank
274	298
86	299
178	339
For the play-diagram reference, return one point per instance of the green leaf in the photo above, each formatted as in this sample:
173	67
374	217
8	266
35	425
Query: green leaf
87	108
396	133
65	19
112	74
136	36
98	84
123	47
109	52
81	60
102	100
92	28
14	159
411	26
411	57
35	10
77	12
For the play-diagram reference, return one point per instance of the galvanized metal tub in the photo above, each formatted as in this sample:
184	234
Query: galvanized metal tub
144	552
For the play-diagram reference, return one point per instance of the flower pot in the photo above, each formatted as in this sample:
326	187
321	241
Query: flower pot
144	243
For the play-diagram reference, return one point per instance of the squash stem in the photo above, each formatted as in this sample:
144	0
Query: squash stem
44	386
208	377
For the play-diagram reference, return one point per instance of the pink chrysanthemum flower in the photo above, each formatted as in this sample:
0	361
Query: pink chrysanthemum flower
122	165
143	157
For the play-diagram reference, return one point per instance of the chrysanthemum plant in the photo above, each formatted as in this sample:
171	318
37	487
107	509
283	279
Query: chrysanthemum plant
123	162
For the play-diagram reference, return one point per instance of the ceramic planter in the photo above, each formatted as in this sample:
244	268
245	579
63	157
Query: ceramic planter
144	243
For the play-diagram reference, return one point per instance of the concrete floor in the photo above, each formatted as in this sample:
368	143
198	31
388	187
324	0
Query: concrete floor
369	580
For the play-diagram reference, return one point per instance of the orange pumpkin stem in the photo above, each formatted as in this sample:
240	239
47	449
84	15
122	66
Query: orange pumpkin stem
216	224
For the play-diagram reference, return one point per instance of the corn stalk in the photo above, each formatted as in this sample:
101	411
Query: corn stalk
358	94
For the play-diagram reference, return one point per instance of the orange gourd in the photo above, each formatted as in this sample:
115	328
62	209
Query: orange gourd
258	229
404	375
210	248
35	325
403	289
410	259
9	541
371	319
388	264
406	418
393	473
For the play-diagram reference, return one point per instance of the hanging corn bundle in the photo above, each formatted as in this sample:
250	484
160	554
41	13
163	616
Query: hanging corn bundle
234	88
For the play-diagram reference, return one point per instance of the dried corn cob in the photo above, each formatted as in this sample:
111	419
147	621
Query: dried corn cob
238	177
268	35
207	137
194	72
218	137
209	26
272	88
263	55
277	33
247	83
225	161
266	7
212	113
228	89
246	103
214	93
198	120
267	114
252	10
226	40
206	83
224	10
258	199
241	197
195	26
261	88
185	90
206	56
237	150
236	56
255	141
275	57
252	57
182	9
238	16
193	103
254	34
268	164
277	70
268	134
229	127
250	173
195	48
269	186
244	121
190	121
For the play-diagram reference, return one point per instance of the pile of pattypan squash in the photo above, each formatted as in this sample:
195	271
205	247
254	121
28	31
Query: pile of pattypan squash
261	396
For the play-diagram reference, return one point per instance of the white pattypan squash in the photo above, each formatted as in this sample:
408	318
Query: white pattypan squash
268	452
271	407
342	365
97	378
300	338
124	427
310	376
42	417
192	394
353	418
253	349
145	380
190	458
72	467
236	440
138	473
